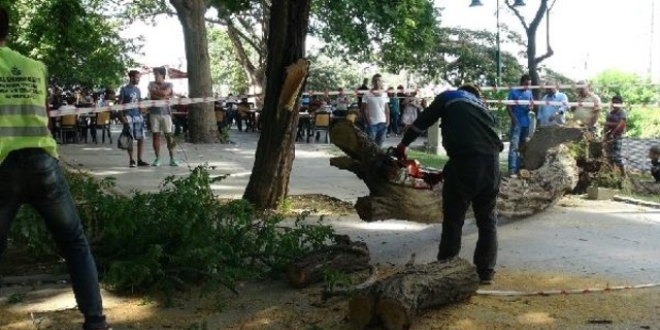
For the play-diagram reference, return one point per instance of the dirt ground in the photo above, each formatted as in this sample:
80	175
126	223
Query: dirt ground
273	305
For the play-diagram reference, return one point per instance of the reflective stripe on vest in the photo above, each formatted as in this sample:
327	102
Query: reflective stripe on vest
24	131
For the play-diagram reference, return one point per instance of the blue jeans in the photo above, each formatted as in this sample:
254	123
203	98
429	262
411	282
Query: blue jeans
31	176
394	123
377	133
518	137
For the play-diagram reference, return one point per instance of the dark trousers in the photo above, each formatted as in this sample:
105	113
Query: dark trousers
31	176
476	180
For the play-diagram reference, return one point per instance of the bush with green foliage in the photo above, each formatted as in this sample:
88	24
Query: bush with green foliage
180	235
643	123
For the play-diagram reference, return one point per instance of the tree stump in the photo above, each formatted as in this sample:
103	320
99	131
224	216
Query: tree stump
534	191
394	301
345	256
386	200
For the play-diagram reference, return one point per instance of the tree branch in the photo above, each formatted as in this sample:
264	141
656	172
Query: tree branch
517	13
543	8
545	56
241	54
250	40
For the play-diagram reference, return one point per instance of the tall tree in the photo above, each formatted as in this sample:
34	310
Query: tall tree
533	60
286	72
225	70
201	117
332	73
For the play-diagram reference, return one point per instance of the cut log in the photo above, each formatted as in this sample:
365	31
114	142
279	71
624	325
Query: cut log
546	138
386	200
394	301
535	191
345	257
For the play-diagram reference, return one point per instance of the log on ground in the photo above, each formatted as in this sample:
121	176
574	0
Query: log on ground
534	191
345	256
386	200
393	302
642	187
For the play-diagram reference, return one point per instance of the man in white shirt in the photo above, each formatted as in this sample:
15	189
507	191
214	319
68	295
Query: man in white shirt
587	115
376	110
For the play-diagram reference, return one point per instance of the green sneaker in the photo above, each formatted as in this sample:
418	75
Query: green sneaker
173	163
156	162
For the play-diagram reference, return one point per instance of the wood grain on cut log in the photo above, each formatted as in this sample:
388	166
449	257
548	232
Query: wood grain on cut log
343	257
394	301
386	200
545	138
539	189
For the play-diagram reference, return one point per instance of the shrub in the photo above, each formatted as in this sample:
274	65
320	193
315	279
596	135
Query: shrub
643	123
182	234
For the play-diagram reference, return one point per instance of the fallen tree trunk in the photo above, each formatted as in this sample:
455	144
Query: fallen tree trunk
345	257
534	191
394	301
386	200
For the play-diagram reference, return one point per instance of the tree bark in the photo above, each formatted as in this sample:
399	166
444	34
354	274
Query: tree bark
394	301
346	257
201	118
536	190
386	200
645	187
269	182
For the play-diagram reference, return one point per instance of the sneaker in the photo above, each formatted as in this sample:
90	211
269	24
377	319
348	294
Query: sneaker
156	163
173	163
486	278
142	163
131	164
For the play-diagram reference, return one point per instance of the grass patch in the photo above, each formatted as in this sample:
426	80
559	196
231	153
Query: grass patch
428	159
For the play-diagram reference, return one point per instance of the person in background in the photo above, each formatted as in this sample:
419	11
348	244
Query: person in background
654	155
615	128
31	174
552	115
375	110
132	118
520	121
160	117
411	110
395	112
341	104
360	100
588	115
472	174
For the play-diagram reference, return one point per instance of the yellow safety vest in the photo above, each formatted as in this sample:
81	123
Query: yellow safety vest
23	113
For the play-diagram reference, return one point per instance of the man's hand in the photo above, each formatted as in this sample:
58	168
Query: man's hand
400	151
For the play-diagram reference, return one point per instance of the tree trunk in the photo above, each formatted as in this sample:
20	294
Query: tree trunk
394	301
531	62
286	72
386	200
645	187
201	118
536	190
346	257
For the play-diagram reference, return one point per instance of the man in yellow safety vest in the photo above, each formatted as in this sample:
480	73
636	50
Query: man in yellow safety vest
30	174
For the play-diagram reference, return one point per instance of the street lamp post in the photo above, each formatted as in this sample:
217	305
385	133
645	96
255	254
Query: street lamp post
498	56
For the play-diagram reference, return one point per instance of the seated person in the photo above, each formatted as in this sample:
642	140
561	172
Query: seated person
654	154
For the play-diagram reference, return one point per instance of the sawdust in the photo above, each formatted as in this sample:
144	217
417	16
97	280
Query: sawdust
273	305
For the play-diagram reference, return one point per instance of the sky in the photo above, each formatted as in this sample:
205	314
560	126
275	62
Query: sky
587	36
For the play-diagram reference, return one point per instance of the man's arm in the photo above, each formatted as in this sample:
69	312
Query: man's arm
387	112
596	111
365	114
509	109
427	118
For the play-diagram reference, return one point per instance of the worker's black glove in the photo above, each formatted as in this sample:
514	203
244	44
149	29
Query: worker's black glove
400	152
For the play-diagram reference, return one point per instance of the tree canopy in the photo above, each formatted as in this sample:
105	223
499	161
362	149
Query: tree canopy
631	87
79	45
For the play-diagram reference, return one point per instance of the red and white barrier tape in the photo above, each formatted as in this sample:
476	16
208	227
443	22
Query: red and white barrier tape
564	292
188	101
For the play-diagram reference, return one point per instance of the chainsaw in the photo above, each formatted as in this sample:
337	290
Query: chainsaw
410	173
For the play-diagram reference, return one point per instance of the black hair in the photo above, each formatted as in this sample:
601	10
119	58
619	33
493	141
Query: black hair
133	73
4	23
525	77
472	89
161	70
617	98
